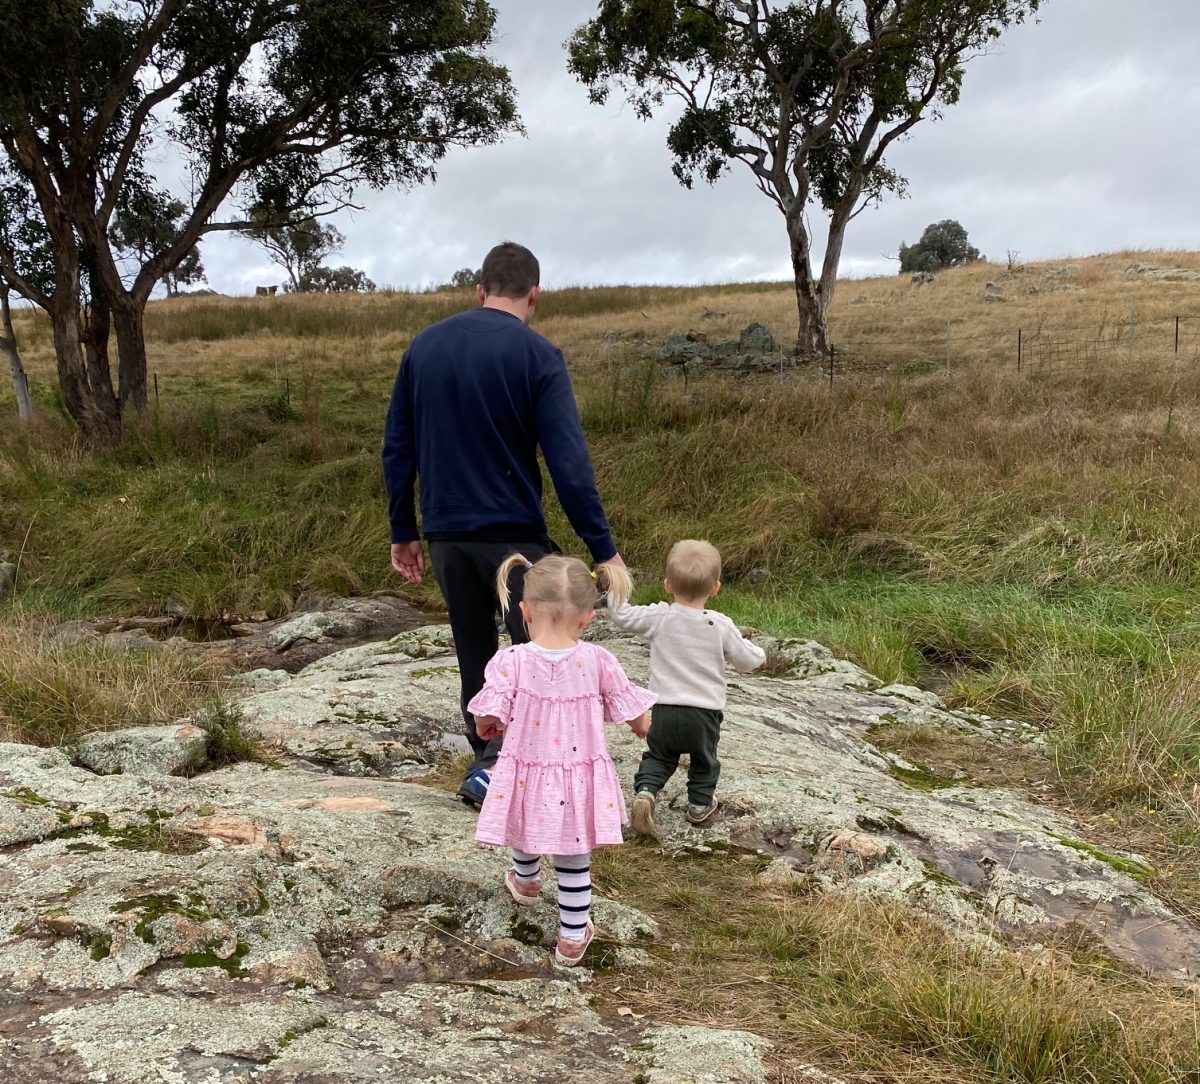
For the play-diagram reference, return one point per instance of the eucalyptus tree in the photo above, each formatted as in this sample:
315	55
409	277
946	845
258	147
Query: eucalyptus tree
291	104
809	96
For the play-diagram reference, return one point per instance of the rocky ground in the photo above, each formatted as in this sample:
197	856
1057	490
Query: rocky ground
328	917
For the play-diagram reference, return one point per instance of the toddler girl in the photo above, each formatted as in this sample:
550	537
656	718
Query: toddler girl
554	789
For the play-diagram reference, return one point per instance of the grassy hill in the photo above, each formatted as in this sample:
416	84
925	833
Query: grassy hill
1023	537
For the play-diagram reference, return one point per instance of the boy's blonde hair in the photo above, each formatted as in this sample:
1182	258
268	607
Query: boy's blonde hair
563	586
693	568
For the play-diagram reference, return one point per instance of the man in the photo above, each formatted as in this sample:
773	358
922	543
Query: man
475	397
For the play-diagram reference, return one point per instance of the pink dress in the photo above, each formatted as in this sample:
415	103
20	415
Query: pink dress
554	789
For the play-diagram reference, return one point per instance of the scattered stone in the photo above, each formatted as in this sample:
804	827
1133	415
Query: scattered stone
851	852
922	278
757	339
1052	271
148	750
781	875
1153	272
1068	288
755	350
993	288
757	576
708	315
295	925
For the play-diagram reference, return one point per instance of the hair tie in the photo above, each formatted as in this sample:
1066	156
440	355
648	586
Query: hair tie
592	573
528	565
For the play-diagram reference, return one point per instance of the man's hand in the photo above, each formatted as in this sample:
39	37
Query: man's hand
615	559
408	560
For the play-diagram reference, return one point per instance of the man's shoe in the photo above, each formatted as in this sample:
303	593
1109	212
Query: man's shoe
642	815
569	953
698	814
475	787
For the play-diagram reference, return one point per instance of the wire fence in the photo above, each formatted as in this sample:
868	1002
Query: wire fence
1040	350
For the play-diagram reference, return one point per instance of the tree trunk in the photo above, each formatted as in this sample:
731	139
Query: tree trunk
82	355
8	345
812	333
129	320
83	373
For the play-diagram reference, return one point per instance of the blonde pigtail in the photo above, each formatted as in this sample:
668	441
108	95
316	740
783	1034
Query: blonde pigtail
616	582
513	560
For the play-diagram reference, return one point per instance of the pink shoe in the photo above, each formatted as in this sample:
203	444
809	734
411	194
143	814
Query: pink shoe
569	953
526	893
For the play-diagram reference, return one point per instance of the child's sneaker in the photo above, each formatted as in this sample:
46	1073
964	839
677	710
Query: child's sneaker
698	814
525	892
569	953
642	815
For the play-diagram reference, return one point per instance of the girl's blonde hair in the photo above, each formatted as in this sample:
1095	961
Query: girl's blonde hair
563	586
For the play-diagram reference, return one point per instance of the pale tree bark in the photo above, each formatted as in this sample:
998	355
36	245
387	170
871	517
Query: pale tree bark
8	345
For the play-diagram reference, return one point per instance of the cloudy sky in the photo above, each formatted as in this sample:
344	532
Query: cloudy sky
1075	135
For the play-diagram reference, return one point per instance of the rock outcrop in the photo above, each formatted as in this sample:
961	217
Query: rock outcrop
754	350
328	917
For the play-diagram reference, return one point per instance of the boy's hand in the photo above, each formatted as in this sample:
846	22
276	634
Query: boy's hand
488	727
641	725
776	664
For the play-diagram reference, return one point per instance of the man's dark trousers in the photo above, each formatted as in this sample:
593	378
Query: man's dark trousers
674	730
466	573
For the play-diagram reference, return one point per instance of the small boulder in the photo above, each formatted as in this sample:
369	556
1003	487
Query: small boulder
148	750
922	278
757	339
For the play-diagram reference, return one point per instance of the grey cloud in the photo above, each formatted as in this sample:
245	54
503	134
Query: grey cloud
1073	135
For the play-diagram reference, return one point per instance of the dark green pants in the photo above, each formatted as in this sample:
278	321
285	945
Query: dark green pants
675	730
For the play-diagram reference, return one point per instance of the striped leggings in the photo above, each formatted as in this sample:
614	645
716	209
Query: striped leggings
574	873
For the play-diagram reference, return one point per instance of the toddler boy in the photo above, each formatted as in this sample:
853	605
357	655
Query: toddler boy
689	647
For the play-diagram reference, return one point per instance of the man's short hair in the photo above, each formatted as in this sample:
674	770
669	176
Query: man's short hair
693	568
510	270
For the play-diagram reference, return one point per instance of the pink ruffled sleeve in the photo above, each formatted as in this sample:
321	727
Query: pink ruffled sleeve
623	700
499	687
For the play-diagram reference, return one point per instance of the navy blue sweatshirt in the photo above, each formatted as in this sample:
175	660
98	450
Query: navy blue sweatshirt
475	396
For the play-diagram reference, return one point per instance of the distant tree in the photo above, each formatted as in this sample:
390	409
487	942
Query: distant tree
274	103
335	280
465	277
808	95
146	223
8	347
299	246
943	244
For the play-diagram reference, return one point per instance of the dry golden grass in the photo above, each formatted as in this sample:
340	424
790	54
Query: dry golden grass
873	992
53	692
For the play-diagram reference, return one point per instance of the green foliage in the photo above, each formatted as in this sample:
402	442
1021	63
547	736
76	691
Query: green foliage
289	107
465	276
299	246
809	96
943	244
226	742
335	280
147	223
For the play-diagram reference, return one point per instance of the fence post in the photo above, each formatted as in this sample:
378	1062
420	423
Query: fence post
1019	350
1177	334
156	389
947	346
